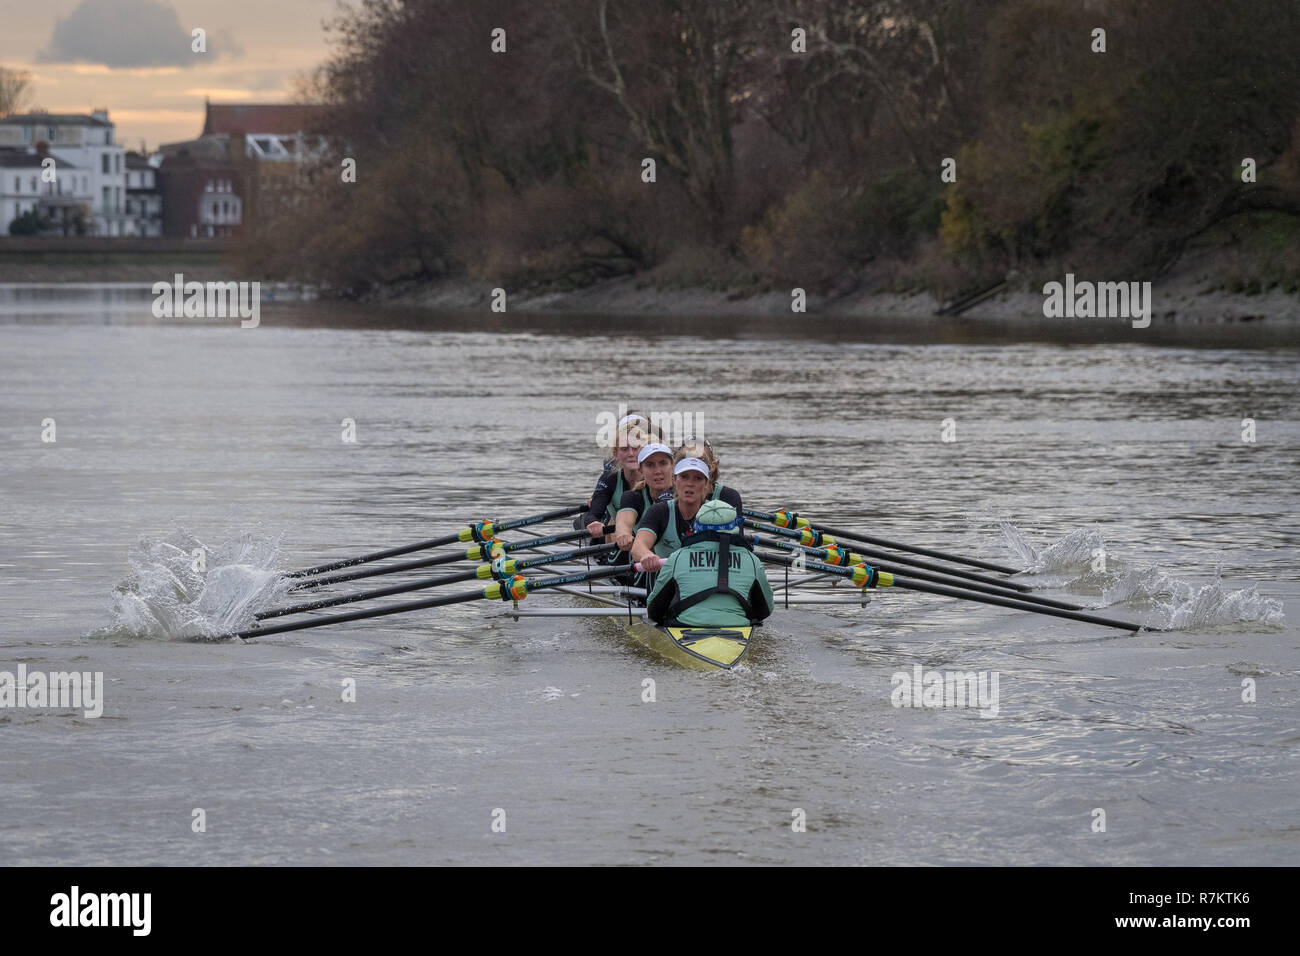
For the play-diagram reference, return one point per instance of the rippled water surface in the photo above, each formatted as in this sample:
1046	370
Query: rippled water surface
1071	442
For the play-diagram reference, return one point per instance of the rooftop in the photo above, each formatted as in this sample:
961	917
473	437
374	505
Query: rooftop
25	159
53	119
277	119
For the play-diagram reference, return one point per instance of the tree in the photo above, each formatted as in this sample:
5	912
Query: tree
672	69
15	90
30	223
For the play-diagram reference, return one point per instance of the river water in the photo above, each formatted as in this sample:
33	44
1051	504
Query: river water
1111	461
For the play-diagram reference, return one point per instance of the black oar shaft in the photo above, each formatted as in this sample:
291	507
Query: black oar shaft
892	580
491	591
937	578
461	535
423	583
476	553
896	545
1017	604
870	552
387	569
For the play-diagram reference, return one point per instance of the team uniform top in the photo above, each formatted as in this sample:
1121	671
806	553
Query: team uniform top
638	501
712	580
656	518
609	490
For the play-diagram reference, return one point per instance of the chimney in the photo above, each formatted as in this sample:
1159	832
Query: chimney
100	114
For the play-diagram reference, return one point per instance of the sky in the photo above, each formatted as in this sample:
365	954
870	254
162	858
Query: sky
135	58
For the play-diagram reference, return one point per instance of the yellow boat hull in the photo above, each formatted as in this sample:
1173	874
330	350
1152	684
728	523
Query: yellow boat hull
699	648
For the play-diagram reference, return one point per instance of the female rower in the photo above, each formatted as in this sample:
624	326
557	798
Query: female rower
664	526
717	490
620	474
656	463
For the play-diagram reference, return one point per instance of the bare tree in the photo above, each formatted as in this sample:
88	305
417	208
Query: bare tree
15	90
672	70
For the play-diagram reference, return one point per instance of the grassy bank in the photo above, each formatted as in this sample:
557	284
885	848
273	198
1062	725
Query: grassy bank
113	260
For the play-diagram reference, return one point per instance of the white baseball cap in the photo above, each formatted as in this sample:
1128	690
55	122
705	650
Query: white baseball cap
653	448
691	464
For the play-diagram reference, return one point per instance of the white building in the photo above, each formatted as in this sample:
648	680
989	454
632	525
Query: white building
87	143
60	192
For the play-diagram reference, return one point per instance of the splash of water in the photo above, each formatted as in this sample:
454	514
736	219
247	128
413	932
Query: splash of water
1082	564
1076	549
180	587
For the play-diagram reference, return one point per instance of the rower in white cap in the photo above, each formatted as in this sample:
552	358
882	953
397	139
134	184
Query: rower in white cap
656	463
667	523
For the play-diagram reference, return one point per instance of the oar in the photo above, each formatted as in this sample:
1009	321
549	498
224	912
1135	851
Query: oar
480	531
865	576
500	568
517	588
837	556
479	552
814	538
791	519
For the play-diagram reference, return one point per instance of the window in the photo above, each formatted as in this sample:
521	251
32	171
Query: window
103	162
35	189
117	163
209	187
18	184
108	199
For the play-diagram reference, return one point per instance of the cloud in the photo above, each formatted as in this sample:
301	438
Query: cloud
124	34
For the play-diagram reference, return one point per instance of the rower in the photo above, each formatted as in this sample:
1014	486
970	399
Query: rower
720	492
656	463
620	474
714	579
666	524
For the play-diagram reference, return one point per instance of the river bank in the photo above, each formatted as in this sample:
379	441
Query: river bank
1194	295
1200	292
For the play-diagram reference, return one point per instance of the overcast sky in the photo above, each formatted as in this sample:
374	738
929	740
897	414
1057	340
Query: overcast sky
134	57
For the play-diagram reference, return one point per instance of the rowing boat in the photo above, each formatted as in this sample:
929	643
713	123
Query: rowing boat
812	574
696	648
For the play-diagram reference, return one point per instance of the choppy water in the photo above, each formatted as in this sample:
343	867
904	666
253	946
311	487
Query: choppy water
1072	442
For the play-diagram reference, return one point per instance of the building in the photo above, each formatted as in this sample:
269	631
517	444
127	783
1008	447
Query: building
58	191
203	182
86	143
245	166
143	197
